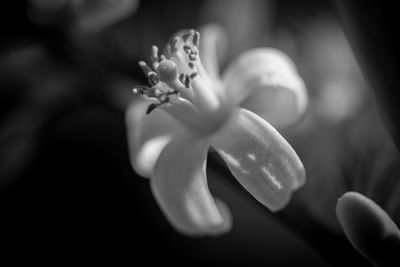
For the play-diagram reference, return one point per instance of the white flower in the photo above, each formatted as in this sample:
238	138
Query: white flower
194	108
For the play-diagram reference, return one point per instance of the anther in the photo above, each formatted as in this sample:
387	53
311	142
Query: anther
152	78
140	89
192	56
187	48
154	52
196	39
154	56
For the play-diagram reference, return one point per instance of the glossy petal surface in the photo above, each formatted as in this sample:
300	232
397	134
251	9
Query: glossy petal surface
260	158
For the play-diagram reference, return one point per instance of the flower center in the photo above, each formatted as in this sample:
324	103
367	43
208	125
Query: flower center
179	84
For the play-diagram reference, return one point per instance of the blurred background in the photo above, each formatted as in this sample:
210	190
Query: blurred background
67	189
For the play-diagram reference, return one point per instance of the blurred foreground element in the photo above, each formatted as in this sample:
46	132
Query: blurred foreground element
369	229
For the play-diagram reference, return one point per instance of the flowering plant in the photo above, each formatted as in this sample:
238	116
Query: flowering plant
192	108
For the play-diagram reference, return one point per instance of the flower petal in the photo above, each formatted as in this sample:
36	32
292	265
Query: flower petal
260	158
265	81
148	135
213	48
180	187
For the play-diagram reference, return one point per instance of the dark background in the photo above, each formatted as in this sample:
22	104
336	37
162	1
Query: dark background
67	188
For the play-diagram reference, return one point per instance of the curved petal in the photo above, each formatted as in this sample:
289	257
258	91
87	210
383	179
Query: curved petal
213	48
260	158
369	228
180	188
148	135
265	81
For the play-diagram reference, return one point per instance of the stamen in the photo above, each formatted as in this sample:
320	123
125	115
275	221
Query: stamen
140	89
151	92
146	69
173	78
196	39
152	78
154	56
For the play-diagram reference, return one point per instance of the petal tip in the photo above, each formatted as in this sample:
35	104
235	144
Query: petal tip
211	229
182	192
148	154
301	178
